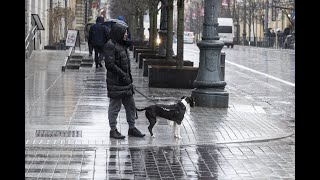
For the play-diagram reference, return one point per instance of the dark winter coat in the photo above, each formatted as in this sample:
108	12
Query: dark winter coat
98	33
119	79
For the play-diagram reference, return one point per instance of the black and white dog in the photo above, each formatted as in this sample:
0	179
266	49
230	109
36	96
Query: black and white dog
173	112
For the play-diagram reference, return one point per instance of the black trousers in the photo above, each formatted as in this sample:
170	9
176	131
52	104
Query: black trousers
98	50
90	48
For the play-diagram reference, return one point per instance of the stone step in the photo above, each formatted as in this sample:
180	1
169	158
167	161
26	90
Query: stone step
86	64
87	60
72	66
78	61
76	56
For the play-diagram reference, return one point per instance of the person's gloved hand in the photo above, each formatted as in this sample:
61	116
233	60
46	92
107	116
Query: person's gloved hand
126	79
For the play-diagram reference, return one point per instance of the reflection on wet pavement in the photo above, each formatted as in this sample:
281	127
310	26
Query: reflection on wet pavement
176	162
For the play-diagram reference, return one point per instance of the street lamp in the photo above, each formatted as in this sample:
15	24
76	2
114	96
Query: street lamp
209	83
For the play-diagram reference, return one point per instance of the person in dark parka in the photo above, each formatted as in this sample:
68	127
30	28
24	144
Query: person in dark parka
119	81
99	36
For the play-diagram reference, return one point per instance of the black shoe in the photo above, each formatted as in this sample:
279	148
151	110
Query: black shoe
115	134
135	132
100	64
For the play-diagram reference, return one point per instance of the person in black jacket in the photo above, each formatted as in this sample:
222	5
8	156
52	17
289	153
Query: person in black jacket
98	35
86	33
119	81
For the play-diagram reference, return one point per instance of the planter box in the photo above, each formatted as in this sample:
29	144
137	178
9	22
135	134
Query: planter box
149	51
137	43
147	55
161	62
139	47
171	77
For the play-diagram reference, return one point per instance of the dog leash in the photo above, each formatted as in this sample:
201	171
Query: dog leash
134	87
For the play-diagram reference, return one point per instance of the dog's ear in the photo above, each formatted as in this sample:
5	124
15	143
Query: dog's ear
183	97
192	103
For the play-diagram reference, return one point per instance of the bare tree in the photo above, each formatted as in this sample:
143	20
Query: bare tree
170	30
129	8
57	14
153	12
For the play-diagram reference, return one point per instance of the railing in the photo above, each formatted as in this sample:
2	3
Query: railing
287	42
30	42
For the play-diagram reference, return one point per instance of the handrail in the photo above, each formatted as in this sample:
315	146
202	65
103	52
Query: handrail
30	33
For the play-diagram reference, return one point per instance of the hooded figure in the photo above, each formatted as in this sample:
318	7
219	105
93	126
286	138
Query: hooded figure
121	18
119	81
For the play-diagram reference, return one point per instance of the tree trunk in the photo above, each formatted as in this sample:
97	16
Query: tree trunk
141	28
66	19
249	35
132	26
180	31
170	30
155	29
135	34
151	38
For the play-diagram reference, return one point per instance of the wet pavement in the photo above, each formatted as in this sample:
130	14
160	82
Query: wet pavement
67	132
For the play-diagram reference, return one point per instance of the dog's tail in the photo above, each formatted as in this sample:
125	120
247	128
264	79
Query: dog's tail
137	109
140	109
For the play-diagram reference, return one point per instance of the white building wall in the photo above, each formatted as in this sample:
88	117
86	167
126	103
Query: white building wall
37	7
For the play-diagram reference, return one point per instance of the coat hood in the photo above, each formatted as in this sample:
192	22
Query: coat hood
117	33
99	19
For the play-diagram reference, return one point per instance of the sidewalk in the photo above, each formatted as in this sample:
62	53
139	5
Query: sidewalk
67	130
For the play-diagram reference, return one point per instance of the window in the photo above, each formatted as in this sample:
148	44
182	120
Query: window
224	29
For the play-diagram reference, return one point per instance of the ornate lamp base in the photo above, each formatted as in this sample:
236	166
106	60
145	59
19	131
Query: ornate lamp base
211	97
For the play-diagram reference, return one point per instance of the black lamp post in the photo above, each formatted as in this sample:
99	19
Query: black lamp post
209	83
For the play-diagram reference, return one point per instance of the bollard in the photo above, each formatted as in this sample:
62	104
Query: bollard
222	63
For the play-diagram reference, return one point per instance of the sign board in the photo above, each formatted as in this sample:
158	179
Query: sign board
72	37
36	21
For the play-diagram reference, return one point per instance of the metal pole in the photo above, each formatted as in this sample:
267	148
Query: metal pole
266	24
50	25
209	82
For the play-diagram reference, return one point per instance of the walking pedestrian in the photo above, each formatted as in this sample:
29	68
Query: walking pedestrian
272	38
99	36
119	81
86	33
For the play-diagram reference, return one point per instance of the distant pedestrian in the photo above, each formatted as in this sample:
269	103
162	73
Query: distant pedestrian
280	39
119	81
86	33
272	38
99	36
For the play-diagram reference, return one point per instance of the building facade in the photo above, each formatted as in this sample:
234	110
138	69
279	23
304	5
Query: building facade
80	8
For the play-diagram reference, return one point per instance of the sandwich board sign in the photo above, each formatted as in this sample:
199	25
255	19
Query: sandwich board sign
73	38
